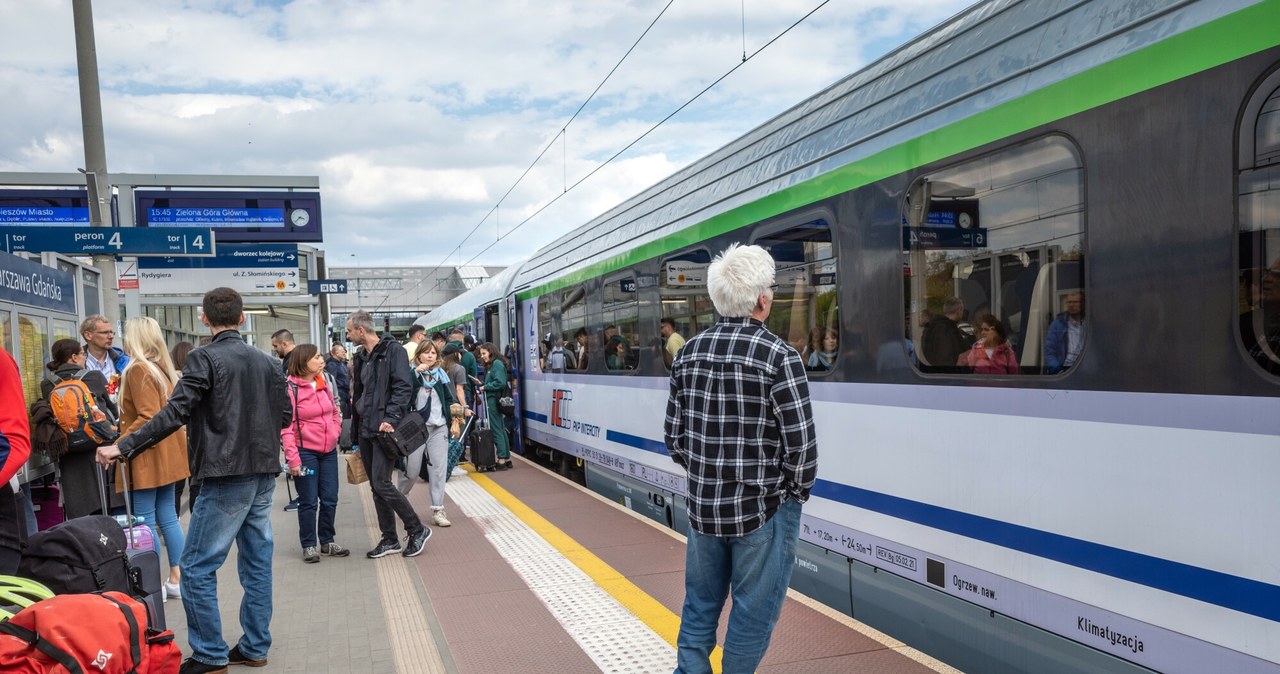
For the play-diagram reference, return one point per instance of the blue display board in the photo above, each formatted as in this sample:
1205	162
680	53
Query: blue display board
238	217
44	208
35	285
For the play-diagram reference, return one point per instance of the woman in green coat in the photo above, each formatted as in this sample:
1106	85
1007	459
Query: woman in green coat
495	383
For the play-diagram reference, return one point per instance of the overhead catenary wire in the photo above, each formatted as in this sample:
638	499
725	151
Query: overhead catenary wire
745	59
651	129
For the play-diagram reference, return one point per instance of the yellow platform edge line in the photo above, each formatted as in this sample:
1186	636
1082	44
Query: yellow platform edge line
650	611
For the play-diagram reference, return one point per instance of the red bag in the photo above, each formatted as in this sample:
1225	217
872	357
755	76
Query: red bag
80	633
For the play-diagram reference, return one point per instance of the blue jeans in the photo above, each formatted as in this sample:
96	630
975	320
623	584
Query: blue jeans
155	507
322	485
757	567
230	509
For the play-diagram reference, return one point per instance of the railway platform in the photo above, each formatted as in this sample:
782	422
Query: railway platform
536	574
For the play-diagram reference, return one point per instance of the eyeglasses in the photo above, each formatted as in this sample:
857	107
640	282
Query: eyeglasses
774	287
104	332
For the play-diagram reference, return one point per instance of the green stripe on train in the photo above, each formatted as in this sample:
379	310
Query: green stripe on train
1223	40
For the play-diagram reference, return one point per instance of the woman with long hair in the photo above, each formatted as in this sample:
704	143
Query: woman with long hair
495	382
145	387
432	400
310	449
991	354
78	482
824	349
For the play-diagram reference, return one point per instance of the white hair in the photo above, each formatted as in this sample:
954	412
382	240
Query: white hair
738	277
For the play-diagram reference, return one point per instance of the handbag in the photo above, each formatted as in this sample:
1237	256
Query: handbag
355	469
410	434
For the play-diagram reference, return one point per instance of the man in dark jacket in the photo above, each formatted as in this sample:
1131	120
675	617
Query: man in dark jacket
380	390
232	399
944	341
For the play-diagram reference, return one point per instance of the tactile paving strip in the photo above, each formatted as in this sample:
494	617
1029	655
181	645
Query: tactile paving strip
615	639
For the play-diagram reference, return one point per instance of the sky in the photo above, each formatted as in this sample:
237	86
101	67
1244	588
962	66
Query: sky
420	117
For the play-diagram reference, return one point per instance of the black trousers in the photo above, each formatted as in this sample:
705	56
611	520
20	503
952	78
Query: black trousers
388	502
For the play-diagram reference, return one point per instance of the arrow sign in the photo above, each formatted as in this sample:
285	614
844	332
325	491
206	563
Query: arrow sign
158	241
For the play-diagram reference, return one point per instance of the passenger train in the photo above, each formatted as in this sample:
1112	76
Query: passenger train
1101	178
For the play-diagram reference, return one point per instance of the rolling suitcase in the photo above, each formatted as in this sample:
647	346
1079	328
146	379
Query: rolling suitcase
144	562
484	455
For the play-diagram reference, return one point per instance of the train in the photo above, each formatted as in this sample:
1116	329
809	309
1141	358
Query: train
1099	177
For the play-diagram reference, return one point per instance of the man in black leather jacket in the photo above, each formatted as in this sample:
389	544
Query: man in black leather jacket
232	399
381	385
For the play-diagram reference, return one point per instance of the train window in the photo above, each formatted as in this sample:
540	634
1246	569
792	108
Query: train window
621	321
573	327
805	308
1259	208
686	306
994	263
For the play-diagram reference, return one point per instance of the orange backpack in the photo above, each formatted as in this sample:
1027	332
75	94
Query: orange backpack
79	416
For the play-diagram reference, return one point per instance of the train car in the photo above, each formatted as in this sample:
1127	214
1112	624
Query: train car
1096	181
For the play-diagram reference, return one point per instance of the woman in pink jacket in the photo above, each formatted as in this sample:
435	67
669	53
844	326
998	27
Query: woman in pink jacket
991	354
309	449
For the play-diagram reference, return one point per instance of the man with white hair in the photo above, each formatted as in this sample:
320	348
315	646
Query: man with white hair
740	423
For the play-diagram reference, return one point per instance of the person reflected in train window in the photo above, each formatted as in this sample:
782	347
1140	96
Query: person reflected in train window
616	354
671	340
580	348
991	354
826	350
944	341
1065	338
558	358
1260	326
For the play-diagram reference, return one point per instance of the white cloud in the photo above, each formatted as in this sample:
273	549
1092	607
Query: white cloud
418	116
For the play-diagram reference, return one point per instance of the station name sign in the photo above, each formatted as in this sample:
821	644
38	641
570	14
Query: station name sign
35	285
237	217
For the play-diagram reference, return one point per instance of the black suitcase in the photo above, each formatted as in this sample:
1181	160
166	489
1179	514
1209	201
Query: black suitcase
484	455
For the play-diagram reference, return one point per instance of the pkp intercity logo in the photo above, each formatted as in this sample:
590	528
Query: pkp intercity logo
560	398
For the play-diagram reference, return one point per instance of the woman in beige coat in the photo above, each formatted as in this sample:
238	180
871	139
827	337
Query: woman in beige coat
144	389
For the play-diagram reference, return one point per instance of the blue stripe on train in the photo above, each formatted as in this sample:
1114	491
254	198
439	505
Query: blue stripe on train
1233	592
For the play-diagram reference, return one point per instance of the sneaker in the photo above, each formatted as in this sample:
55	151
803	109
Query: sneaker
384	548
235	657
171	590
458	471
310	555
291	506
440	519
418	543
194	666
333	550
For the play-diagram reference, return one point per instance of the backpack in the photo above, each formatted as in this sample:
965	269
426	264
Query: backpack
104	633
85	554
47	437
78	415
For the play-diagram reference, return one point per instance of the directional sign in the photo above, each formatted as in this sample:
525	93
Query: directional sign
108	241
327	287
942	238
247	268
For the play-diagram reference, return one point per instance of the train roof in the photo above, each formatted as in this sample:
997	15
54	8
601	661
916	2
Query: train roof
986	56
461	308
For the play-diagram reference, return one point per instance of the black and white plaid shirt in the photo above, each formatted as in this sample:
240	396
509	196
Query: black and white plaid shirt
739	421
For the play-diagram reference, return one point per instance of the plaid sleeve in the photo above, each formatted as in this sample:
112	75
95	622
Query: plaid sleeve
673	429
789	398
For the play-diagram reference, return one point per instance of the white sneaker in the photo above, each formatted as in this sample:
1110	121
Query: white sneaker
171	590
458	471
439	519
